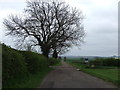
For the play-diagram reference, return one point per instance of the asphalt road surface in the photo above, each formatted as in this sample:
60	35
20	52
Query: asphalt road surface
66	76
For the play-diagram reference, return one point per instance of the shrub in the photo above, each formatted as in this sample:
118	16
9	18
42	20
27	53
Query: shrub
19	65
53	61
13	65
35	62
105	62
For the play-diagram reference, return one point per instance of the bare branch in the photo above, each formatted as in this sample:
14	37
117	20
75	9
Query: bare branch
53	24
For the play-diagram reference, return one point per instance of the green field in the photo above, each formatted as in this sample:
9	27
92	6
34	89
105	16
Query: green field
106	73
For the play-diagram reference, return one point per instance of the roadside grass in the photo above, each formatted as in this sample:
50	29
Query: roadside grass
32	81
57	64
109	74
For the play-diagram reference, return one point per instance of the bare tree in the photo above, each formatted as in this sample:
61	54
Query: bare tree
49	23
61	48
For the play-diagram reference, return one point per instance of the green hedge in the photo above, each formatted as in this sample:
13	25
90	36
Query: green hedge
105	62
53	61
35	62
13	65
19	65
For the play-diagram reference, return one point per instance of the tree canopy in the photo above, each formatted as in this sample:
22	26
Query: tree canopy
52	25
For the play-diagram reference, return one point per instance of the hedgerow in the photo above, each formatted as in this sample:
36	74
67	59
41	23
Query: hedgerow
105	62
13	65
17	65
35	62
53	61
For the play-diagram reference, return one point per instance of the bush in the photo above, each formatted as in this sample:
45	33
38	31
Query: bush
53	61
13	65
19	65
105	62
35	62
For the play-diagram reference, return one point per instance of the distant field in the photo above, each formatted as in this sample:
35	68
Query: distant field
80	57
108	73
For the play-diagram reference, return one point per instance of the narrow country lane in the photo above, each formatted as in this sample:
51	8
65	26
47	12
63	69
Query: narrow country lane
66	76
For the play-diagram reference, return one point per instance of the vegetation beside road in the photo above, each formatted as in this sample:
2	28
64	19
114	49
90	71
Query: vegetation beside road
108	72
23	69
54	62
32	81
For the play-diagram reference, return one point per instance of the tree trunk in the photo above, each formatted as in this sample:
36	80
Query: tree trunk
45	51
45	54
55	54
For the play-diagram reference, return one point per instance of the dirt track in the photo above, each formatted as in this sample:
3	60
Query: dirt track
65	76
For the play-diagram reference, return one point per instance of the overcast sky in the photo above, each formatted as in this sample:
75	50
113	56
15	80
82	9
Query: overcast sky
101	25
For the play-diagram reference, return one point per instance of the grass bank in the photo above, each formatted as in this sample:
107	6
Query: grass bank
33	81
109	74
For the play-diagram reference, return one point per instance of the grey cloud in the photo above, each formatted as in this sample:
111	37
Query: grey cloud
100	26
12	5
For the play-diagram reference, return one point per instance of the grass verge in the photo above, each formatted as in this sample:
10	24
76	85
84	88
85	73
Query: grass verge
33	81
57	64
110	75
